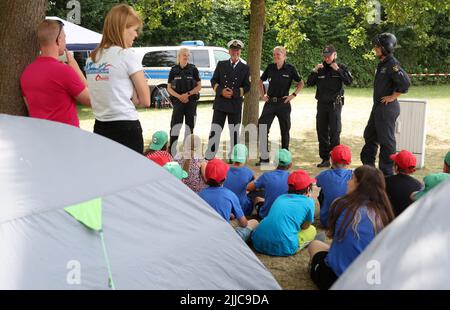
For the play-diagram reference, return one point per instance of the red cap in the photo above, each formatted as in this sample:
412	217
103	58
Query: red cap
405	160
216	169
160	159
341	154
300	180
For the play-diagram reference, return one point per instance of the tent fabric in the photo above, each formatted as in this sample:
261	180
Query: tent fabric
79	38
158	234
412	253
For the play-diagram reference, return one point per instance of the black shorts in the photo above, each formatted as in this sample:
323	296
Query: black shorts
322	275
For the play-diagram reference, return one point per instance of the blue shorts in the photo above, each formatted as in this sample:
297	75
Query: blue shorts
244	232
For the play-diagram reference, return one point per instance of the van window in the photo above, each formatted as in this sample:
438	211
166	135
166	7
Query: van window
160	59
220	55
200	58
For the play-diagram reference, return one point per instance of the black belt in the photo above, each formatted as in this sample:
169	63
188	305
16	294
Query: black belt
276	99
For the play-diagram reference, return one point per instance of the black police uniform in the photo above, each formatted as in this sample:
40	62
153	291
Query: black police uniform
380	129
236	78
280	81
183	80
329	95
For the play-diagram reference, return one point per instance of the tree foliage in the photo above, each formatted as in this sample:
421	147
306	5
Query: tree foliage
303	26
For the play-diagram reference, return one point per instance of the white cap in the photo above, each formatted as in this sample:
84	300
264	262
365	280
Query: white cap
235	44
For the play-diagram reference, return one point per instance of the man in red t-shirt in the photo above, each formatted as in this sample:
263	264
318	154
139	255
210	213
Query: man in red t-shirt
51	88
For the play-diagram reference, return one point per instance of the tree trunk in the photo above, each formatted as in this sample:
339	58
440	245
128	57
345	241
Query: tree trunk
251	103
18	23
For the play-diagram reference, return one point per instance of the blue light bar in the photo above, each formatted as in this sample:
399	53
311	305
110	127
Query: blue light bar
193	43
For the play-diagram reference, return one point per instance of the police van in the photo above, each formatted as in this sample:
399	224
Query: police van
158	61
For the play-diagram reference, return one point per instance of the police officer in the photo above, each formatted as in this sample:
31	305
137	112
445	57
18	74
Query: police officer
277	101
330	77
184	85
390	82
230	81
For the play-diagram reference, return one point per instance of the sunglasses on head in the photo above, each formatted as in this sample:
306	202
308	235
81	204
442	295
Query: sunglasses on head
61	25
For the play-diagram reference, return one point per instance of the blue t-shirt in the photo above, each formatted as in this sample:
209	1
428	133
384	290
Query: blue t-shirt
277	234
275	184
334	185
343	253
237	181
223	201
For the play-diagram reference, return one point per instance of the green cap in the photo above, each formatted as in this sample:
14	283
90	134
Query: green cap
431	181
447	158
240	153
159	139
175	169
284	157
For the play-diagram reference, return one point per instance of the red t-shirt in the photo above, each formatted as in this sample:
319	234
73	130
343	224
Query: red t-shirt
50	88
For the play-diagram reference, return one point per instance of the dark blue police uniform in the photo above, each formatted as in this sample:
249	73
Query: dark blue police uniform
183	80
380	129
280	81
237	78
329	95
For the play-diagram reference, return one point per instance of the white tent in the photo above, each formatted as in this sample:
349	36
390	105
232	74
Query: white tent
79	211
79	38
413	252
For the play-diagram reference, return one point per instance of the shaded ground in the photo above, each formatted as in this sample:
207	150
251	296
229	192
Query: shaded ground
291	272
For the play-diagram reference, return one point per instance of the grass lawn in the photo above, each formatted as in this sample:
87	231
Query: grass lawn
291	272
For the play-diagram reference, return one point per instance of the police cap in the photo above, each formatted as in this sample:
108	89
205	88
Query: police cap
235	44
328	50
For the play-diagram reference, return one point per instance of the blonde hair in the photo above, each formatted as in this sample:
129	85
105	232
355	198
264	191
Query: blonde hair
119	18
280	48
47	31
180	52
192	144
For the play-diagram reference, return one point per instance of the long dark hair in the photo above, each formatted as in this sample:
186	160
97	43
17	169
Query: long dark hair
370	192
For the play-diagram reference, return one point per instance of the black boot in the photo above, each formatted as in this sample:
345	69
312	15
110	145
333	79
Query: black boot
324	164
261	162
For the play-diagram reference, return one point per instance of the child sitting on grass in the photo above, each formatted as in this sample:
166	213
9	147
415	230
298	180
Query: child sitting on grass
400	186
287	228
193	162
274	182
239	176
333	182
224	201
355	219
430	181
175	169
158	149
